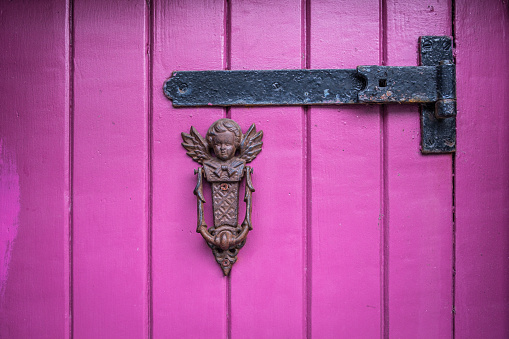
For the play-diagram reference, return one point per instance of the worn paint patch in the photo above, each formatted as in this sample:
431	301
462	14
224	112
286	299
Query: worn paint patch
9	211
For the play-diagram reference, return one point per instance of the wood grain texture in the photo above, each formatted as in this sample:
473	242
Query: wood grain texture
345	175
419	200
33	134
267	281
189	290
110	170
482	170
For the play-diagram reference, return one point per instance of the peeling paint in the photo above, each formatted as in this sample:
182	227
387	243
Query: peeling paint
9	212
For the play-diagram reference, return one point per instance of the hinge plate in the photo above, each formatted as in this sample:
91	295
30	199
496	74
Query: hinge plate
438	131
433	85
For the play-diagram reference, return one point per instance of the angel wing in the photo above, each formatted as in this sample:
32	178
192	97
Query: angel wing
196	147
251	144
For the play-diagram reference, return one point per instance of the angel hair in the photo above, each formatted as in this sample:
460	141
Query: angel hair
224	138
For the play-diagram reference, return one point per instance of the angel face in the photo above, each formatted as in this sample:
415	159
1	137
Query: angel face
224	145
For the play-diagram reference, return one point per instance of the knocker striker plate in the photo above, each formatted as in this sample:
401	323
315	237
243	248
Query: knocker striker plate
223	155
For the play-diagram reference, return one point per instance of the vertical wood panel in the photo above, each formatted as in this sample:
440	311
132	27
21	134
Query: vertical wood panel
345	174
33	170
110	170
482	170
189	290
267	281
419	211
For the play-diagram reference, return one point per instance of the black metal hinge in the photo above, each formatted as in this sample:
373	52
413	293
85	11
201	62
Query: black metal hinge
433	85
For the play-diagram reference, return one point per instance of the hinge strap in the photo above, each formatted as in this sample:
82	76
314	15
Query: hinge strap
433	84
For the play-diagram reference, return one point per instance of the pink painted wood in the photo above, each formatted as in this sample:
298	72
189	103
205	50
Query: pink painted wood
482	170
110	170
34	191
188	287
354	229
344	173
267	283
418	194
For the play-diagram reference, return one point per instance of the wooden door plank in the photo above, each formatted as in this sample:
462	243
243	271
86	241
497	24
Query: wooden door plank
110	170
482	170
346	185
34	170
189	291
267	281
419	212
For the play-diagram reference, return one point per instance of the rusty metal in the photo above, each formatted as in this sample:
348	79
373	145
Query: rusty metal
433	85
224	168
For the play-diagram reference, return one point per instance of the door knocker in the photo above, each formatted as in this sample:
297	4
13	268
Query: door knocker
224	169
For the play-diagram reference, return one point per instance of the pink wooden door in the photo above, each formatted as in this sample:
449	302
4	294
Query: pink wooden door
356	234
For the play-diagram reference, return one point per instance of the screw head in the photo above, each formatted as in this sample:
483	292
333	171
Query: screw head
182	88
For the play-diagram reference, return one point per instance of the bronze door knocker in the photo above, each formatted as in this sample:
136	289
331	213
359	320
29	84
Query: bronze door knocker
224	169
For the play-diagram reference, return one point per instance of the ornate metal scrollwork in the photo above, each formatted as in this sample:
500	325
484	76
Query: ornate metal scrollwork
224	168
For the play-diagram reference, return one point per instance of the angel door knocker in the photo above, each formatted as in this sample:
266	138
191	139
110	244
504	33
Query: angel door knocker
224	169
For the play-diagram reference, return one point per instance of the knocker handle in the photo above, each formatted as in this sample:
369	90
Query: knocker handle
198	191
247	198
224	236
